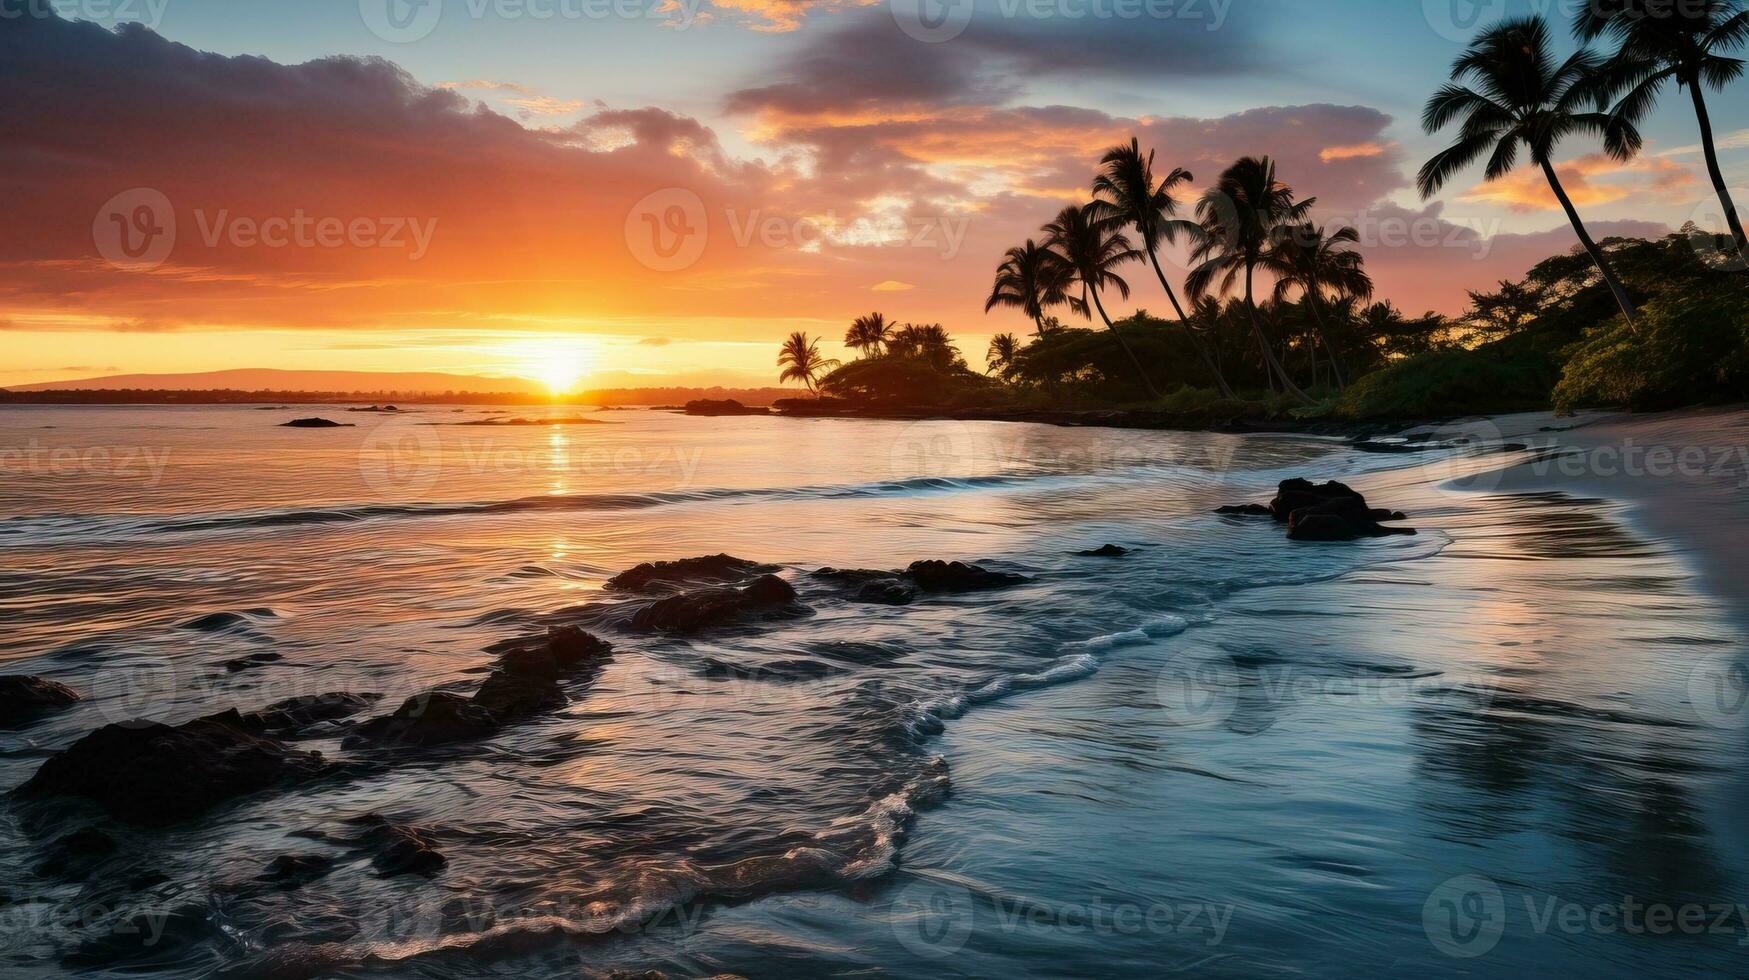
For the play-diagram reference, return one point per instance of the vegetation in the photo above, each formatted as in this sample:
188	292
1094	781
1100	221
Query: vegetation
1618	322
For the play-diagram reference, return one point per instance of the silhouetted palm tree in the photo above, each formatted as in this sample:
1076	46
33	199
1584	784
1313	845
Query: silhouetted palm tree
1032	279
1003	349
1125	194
1525	98
801	360
926	342
1659	41
1242	217
1322	267
868	334
1092	251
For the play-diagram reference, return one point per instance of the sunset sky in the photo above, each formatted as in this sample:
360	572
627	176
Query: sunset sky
626	192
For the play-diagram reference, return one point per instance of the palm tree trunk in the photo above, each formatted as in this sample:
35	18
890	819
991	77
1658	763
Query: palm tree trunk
1141	371
1329	348
1184	322
1271	364
1712	167
1597	257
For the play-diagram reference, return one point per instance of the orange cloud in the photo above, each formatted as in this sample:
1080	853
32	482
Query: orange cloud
1590	180
1354	152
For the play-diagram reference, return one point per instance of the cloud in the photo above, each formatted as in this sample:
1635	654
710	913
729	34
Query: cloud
892	286
1590	180
1738	140
654	341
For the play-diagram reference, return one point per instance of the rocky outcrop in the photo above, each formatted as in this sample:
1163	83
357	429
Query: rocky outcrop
728	406
1325	512
315	424
398	849
1104	551
293	716
921	577
296	870
659	576
431	718
156	774
698	610
1246	510
24	699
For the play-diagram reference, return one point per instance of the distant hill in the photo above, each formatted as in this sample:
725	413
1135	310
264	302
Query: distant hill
271	379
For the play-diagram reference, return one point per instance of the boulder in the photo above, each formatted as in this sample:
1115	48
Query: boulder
398	849
1324	512
432	718
77	854
957	576
768	597
1246	510
24	698
293	715
1105	551
297	870
315	424
156	774
669	575
512	694
727	406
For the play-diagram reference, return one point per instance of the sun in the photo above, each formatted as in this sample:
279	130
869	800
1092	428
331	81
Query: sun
560	365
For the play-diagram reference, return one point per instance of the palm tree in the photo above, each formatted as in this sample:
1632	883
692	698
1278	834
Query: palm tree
1031	279
1125	194
868	334
1003	350
1242	217
1527	98
926	342
1658	41
801	360
1092	251
1321	266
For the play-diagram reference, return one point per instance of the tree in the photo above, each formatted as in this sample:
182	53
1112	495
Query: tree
1093	251
801	360
1000	357
1126	194
1032	279
1659	41
1322	267
1242	217
1526	99
928	342
868	334
1493	316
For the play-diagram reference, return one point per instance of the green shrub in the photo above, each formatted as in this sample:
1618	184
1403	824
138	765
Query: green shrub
1686	348
1453	382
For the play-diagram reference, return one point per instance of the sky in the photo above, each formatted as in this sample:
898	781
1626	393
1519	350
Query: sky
627	192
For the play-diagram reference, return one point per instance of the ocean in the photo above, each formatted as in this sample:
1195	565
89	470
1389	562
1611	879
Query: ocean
1506	745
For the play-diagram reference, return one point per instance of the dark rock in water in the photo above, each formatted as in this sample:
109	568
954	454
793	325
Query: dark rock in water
871	585
74	856
432	718
728	406
958	576
24	698
315	424
769	597
154	939
1106	551
1246	510
564	648
297	870
650	576
510	695
1324	512
398	849
293	715
238	664
157	774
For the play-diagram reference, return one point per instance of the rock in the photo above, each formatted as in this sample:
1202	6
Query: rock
398	849
1330	512
702	609
315	424
1246	510
156	774
687	571
729	406
293	715
1322	527
432	718
24	698
297	870
939	576
1106	551
509	695
238	664
74	856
